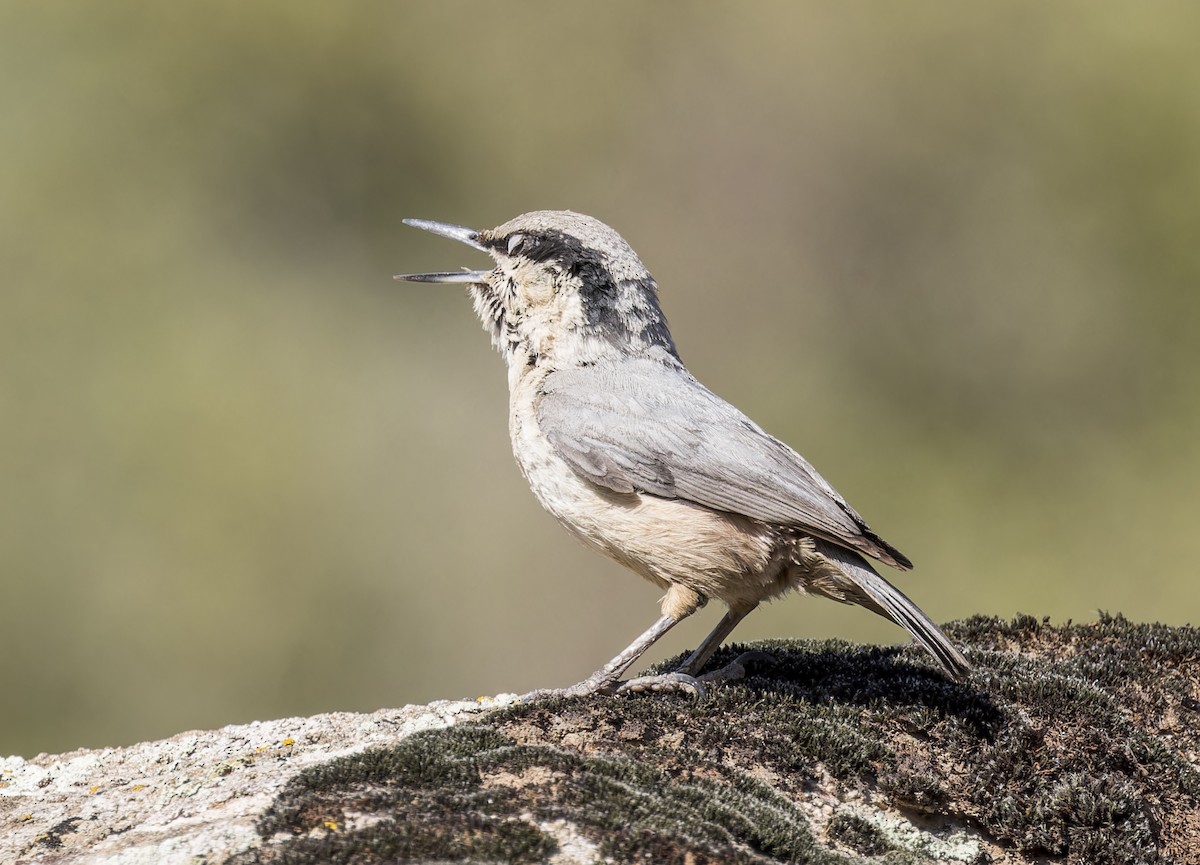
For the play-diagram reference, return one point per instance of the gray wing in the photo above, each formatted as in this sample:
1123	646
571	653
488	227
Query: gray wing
641	426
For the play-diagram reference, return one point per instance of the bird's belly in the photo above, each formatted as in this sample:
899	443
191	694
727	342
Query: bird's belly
667	541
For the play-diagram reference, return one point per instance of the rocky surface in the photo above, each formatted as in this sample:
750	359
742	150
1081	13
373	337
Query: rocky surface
194	797
1073	743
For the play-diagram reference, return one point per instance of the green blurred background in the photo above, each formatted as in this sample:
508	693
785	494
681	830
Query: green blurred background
948	251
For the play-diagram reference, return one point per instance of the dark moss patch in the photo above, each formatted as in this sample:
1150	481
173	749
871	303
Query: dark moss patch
419	800
857	834
1090	764
1068	743
459	794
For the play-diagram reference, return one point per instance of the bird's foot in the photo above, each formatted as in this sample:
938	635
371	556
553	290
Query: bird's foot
738	667
551	693
600	682
603	682
597	684
664	682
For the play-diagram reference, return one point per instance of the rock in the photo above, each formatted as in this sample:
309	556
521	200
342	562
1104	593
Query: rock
196	796
1073	743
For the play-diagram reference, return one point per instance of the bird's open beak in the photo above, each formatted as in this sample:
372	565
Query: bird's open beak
469	236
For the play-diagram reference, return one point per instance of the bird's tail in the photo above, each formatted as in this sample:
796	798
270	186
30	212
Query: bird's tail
885	599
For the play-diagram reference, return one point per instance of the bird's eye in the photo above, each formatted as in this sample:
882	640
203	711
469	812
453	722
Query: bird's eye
516	243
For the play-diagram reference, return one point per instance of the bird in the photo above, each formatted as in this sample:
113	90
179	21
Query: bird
644	464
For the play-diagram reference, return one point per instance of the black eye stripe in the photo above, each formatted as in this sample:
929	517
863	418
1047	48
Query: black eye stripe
545	245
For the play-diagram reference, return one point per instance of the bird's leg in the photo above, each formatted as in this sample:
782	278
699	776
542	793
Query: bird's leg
677	604
736	669
604	679
608	675
696	660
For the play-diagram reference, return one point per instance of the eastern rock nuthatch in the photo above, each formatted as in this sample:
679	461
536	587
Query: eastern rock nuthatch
643	463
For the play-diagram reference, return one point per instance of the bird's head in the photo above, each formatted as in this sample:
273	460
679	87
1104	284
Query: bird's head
566	290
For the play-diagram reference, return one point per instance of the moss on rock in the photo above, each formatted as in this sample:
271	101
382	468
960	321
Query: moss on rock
1075	743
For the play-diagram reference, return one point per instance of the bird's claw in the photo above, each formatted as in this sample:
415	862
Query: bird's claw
664	682
680	680
594	684
642	684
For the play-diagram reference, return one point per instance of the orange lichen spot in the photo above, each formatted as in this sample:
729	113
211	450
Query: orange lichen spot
92	790
331	825
289	742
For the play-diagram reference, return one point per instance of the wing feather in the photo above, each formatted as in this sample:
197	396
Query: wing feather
641	426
